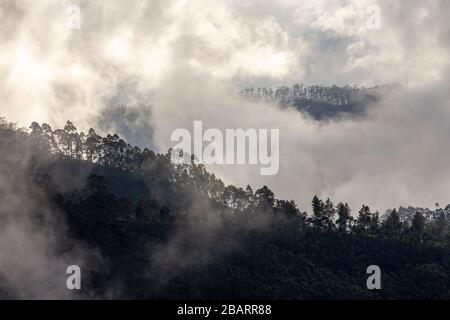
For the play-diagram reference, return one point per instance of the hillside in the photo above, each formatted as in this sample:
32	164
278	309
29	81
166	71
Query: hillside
142	227
320	102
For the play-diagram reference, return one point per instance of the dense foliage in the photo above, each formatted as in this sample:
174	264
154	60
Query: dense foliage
176	231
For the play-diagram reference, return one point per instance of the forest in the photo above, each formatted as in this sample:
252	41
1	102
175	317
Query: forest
175	231
321	102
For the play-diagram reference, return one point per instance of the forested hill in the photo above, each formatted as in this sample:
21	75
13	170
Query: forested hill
160	230
320	102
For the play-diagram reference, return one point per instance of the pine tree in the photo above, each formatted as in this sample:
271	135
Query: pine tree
318	212
329	212
417	227
364	219
392	226
344	217
439	227
374	223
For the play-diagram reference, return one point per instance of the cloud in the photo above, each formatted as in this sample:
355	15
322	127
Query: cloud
53	73
35	249
394	157
180	61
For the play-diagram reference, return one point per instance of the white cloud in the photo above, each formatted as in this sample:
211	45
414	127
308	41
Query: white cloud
183	53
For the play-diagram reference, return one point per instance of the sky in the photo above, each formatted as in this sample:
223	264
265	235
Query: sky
146	68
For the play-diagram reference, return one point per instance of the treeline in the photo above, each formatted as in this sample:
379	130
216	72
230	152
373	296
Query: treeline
321	102
289	95
417	229
194	180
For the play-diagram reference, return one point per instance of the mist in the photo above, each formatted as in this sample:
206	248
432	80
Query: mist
34	242
173	62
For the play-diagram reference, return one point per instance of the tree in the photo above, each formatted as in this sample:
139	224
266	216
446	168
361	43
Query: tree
439	227
69	141
417	227
230	197
93	146
36	130
329	212
318	208
364	219
344	217
265	197
374	223
289	208
392	226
